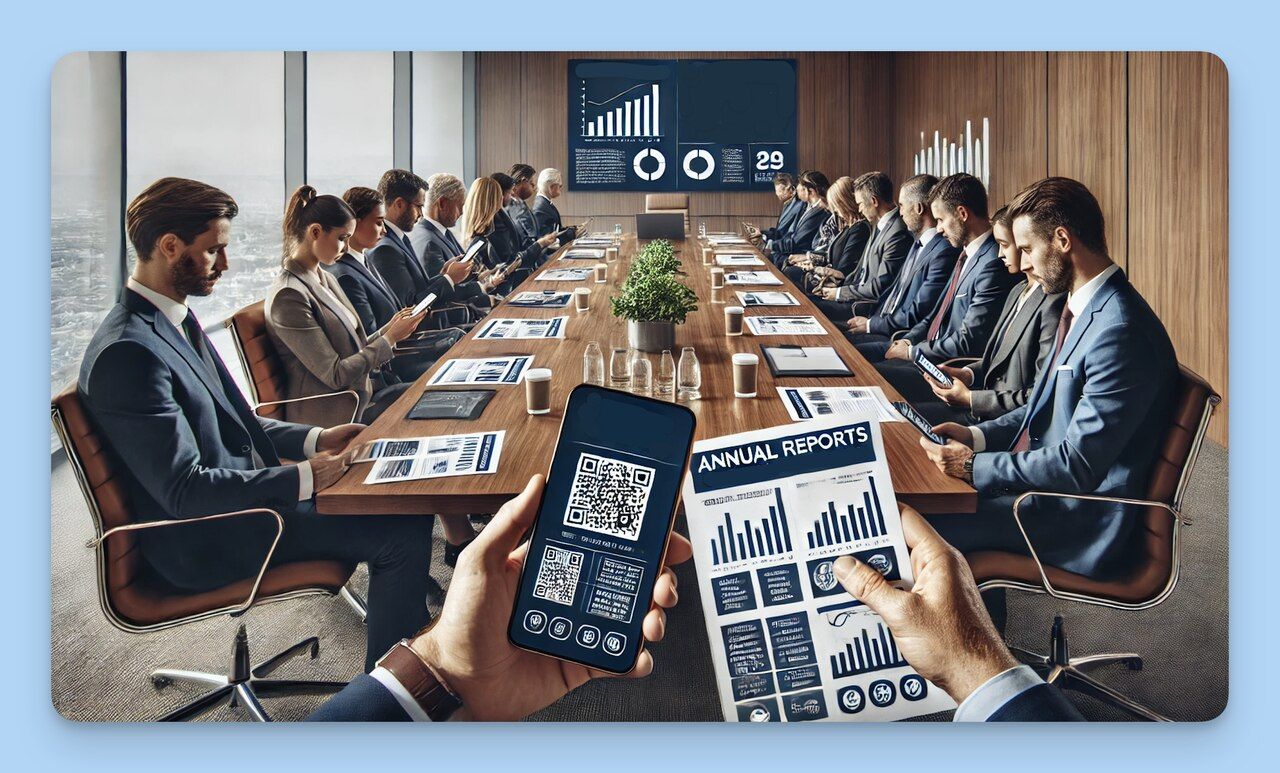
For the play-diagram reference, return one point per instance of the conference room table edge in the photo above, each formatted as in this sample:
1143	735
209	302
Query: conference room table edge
351	496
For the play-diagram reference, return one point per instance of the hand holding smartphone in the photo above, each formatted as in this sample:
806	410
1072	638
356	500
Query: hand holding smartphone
926	366
423	304
919	422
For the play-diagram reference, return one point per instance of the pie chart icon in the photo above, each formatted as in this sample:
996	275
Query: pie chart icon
647	153
697	153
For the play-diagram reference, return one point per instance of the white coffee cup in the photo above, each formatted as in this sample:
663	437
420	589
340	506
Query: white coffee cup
745	366
537	391
733	320
582	298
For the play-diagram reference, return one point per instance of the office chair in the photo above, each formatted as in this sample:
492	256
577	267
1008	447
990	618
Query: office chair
136	599
669	202
1153	569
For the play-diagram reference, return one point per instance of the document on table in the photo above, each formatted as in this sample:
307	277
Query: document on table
490	370
792	325
543	299
565	275
805	403
769	512
506	328
444	456
726	239
768	298
804	361
737	259
583	253
751	278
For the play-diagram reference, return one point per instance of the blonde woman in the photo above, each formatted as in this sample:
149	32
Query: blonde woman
508	254
846	247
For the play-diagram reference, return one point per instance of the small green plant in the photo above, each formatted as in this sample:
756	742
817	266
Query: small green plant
653	290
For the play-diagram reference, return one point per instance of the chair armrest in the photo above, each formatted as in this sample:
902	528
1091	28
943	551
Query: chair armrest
355	399
960	362
898	334
1179	519
862	308
97	542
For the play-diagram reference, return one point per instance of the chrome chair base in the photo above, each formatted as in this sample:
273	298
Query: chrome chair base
243	686
1068	673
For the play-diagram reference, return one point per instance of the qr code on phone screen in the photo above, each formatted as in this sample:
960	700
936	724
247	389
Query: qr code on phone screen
609	496
558	575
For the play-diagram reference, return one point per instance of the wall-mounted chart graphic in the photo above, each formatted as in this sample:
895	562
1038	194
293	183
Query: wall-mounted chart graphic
752	536
666	124
872	650
857	523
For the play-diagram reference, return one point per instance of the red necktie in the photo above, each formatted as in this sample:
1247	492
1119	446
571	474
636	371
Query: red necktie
1023	443
945	306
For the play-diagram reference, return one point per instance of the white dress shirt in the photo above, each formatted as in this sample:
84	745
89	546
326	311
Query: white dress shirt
176	313
996	692
884	219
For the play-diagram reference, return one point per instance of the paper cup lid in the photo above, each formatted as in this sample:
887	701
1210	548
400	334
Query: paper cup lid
734	310
745	358
583	290
537	374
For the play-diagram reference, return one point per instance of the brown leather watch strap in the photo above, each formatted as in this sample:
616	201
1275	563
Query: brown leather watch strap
421	681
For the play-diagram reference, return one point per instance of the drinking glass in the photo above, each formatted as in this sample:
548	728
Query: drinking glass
666	374
688	376
619	368
593	365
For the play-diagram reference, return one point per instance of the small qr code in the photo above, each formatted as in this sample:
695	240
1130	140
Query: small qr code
609	496
558	575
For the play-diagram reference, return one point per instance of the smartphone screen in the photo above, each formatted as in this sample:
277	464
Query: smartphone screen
423	304
472	251
600	536
920	422
926	366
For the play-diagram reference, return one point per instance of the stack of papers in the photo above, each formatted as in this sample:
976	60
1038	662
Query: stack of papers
475	453
491	370
805	403
583	253
542	299
737	259
565	275
511	329
751	278
794	325
767	299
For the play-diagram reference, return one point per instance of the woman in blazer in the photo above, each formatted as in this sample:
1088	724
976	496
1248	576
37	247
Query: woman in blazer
509	254
844	249
315	329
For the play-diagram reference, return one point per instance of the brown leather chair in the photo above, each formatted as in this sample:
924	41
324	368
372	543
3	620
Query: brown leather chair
136	599
669	202
1153	569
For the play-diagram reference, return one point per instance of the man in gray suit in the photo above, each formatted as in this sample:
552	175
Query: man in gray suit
522	177
883	256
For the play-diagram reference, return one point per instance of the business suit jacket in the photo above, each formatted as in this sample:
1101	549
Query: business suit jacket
546	217
914	294
1096	417
1003	378
1042	703
972	315
506	242
827	233
801	237
402	270
320	350
436	248
364	699
522	216
373	300
786	219
188	443
847	248
881	260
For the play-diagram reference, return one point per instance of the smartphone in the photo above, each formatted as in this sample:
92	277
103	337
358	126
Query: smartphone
920	422
423	304
927	367
472	251
598	544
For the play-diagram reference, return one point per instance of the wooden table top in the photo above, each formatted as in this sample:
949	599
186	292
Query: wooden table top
530	440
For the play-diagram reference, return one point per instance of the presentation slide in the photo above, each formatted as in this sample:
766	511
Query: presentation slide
680	125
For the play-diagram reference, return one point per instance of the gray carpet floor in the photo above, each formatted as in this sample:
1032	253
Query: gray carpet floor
100	673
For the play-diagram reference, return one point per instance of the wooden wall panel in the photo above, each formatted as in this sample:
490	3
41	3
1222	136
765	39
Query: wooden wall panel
1019	128
498	119
1088	140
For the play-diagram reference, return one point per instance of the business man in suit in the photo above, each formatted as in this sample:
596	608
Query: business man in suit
812	190
189	445
883	256
966	314
1097	415
522	176
784	187
435	244
546	217
921	280
405	194
1023	338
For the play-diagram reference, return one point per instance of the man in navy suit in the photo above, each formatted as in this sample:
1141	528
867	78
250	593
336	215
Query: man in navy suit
405	194
189	445
966	313
434	243
522	188
546	217
883	256
921	281
1096	416
784	187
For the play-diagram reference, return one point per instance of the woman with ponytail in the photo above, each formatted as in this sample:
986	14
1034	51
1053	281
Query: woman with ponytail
315	329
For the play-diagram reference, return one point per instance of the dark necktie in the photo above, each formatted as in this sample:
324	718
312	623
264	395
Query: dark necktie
1023	443
408	245
453	242
904	278
945	307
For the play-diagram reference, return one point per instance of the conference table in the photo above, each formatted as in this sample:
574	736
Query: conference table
530	440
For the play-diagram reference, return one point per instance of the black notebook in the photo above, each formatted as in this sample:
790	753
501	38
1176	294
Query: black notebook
804	361
451	404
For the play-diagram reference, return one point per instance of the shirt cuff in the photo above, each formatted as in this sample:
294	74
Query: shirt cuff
402	696
306	484
313	439
979	440
970	373
448	279
995	693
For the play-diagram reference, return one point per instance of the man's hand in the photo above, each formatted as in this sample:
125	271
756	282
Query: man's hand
830	293
335	439
899	350
469	646
456	270
859	325
940	625
751	230
548	240
957	394
327	468
951	457
960	374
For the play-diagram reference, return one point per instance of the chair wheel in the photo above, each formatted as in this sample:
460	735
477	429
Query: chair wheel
160	682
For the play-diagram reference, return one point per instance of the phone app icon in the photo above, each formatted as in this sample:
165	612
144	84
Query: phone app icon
560	628
589	636
614	643
535	621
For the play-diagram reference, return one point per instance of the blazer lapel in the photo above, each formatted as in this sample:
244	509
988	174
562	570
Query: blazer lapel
364	271
1010	331
323	296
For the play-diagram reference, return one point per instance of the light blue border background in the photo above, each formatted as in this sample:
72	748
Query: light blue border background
38	32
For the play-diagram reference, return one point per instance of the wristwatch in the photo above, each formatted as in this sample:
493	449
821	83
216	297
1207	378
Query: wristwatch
421	681
968	468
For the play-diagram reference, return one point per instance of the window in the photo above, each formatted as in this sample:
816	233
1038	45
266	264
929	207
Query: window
84	204
349	119
437	113
218	118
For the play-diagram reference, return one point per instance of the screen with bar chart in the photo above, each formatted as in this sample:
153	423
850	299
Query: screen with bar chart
667	125
769	513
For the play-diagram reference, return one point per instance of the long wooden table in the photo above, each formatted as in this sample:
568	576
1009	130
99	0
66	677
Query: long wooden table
530	440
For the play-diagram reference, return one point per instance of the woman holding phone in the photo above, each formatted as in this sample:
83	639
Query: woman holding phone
319	336
506	247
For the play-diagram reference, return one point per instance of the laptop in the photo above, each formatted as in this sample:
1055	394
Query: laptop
654	225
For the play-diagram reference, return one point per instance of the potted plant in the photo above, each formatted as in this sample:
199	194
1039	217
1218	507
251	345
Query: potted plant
653	298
